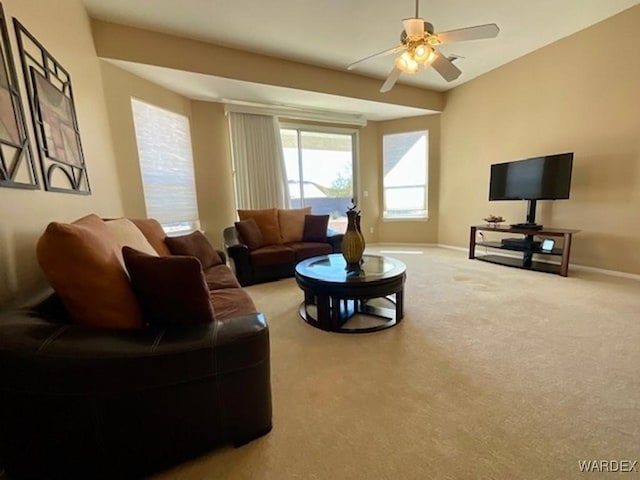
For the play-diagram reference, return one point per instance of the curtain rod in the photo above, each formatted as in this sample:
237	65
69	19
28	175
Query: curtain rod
295	113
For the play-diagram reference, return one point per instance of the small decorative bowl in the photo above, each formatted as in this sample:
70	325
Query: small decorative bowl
493	221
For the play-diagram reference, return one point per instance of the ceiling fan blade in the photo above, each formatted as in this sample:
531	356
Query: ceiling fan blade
444	67
413	26
478	32
391	80
389	51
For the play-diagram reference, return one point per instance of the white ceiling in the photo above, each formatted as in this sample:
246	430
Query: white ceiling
334	33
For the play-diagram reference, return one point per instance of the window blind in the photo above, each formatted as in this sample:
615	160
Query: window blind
166	164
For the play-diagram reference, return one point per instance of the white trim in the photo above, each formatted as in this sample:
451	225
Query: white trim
613	273
396	244
296	113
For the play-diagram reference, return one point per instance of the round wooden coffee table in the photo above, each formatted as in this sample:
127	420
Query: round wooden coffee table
337	294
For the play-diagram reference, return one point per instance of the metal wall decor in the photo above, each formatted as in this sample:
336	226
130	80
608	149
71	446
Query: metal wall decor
54	118
17	169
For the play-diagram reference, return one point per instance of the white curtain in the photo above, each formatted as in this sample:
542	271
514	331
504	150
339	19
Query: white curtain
260	176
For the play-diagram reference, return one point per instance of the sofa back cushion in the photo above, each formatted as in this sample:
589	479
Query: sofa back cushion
250	233
171	290
153	232
83	264
195	245
292	223
315	228
267	221
126	233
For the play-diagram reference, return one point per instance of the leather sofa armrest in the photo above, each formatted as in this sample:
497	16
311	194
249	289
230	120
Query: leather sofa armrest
335	240
238	253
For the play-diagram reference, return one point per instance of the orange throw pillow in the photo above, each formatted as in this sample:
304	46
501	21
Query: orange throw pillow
267	221
82	262
292	223
153	232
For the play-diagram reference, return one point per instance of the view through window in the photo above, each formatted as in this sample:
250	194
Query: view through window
320	168
166	164
405	161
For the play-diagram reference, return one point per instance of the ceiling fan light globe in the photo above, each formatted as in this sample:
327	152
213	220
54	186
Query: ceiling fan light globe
421	53
430	58
402	63
412	66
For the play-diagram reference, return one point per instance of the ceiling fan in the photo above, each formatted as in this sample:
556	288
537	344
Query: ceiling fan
418	44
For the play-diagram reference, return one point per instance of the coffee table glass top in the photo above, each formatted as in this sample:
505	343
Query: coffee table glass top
333	269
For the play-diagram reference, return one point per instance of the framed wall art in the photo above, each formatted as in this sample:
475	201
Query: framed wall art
17	169
54	118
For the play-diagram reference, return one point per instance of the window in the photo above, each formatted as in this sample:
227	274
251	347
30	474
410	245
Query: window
405	159
320	166
166	165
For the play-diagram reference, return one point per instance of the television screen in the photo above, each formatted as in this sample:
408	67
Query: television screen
540	178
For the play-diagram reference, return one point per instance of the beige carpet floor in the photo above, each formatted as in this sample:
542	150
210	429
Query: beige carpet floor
494	373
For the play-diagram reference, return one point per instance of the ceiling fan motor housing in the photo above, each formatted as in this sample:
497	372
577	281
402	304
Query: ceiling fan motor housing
428	28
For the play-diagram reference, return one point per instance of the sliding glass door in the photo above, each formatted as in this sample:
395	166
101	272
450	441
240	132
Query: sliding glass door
320	171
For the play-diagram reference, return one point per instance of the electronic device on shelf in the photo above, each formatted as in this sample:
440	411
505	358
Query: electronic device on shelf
547	245
521	243
533	179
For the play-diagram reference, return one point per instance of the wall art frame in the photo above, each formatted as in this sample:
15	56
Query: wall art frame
17	167
53	115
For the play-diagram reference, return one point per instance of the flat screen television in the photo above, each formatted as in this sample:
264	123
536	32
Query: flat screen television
539	178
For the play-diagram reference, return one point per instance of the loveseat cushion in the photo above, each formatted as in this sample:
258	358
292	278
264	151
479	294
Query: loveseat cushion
171	290
292	223
271	255
302	250
267	221
154	233
196	245
83	264
231	302
220	276
315	228
250	233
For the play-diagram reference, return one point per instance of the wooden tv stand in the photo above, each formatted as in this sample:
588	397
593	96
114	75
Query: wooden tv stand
528	249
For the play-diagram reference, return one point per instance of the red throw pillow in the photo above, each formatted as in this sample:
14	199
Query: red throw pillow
170	290
315	228
250	233
194	245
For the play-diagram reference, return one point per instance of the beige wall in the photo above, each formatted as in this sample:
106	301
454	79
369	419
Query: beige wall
64	29
213	169
581	94
411	231
210	145
368	174
119	87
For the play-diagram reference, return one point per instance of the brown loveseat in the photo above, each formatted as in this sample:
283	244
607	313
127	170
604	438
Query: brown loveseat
266	245
83	401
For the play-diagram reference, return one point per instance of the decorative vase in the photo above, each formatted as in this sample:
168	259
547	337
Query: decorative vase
352	242
364	244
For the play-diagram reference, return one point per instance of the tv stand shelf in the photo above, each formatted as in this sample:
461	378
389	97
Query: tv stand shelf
527	250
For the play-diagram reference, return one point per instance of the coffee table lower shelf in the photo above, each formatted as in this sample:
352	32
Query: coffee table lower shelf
332	313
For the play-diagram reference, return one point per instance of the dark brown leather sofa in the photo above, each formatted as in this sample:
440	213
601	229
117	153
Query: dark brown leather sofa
81	401
86	402
273	262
